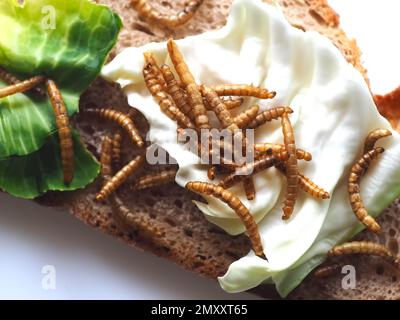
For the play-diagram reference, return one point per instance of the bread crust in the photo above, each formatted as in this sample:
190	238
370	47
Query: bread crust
189	240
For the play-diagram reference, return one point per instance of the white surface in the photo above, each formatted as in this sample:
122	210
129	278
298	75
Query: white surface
91	265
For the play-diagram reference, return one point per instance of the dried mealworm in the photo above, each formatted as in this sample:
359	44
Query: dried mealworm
122	120
306	184
151	59
11	80
244	119
250	169
268	115
373	137
327	271
116	150
169	20
64	131
212	172
193	91
106	158
233	202
120	177
249	188
167	105
291	167
364	247
278	149
244	90
232	102
21	86
218	106
176	92
356	172
143	223
155	179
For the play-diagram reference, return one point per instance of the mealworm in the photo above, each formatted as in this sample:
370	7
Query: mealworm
243	119
64	131
167	105
232	102
151	59
116	150
277	149
269	115
143	223
373	137
120	177
169	20
306	184
291	167
154	180
364	247
248	170
11	80
249	188
21	86
356	172
233	202
106	158
122	120
176	92
327	271
244	90
193	91
219	107
212	172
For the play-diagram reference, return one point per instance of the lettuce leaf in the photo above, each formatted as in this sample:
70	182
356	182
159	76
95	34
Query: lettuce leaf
67	41
32	175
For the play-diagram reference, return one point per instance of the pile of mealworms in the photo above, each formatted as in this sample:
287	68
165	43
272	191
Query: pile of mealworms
188	103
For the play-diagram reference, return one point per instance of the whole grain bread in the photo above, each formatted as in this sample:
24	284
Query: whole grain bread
185	236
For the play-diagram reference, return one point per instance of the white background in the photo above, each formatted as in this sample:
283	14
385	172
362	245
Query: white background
90	265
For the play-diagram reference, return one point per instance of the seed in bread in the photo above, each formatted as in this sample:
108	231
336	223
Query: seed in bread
245	118
268	115
167	105
116	150
155	179
176	92
244	90
122	120
364	247
373	137
189	83
292	175
356	172
64	131
21	86
248	170
120	177
10	79
278	149
106	159
233	202
147	11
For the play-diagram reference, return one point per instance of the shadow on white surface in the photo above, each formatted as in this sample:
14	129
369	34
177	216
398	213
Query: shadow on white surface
89	265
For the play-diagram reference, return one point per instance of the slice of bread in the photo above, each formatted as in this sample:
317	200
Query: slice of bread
186	237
